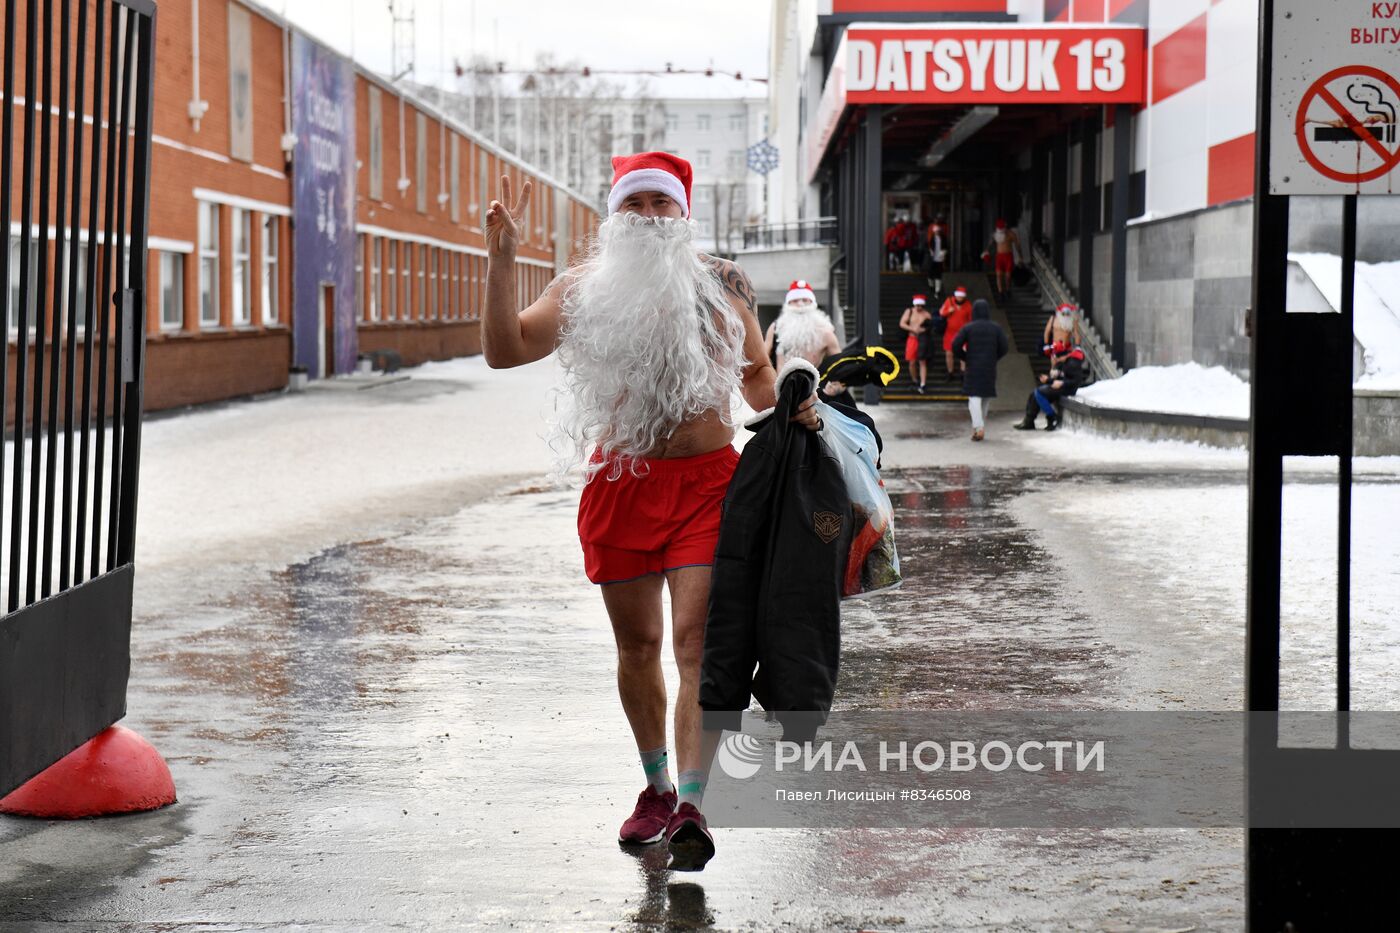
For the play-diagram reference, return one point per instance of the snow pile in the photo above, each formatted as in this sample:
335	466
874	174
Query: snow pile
1188	389
1376	316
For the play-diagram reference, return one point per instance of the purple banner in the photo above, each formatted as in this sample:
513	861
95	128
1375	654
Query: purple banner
323	209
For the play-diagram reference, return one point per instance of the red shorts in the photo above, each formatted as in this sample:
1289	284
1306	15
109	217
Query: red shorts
911	347
1005	262
668	518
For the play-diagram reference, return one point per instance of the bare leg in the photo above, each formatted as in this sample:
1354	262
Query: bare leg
634	608
690	599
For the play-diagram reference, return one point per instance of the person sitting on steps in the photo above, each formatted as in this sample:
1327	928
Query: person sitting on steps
1069	373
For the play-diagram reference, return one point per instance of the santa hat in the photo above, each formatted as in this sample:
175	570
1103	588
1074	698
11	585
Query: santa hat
800	289
1001	223
650	171
960	291
1065	309
920	299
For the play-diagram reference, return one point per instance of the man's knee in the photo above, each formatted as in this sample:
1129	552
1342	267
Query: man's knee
638	648
688	642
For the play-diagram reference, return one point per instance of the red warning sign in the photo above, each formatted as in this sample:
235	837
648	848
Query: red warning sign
1346	124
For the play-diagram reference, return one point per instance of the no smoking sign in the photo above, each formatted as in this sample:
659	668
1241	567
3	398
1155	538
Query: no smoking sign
1334	102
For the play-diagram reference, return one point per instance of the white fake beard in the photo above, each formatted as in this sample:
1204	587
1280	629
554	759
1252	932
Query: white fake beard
802	331
649	341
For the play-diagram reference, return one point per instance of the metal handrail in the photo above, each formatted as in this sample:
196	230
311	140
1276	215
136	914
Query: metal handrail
820	231
1101	361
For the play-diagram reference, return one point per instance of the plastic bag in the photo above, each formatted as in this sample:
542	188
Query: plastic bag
873	562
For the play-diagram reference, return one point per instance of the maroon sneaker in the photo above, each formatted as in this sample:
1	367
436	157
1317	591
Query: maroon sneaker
688	837
648	821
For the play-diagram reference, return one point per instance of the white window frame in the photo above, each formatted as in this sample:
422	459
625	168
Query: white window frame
209	264
360	275
166	261
13	285
271	269
376	276
422	267
432	282
242	293
391	278
702	122
405	280
457	298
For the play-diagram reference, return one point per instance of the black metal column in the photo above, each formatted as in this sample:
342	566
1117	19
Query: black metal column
1122	169
1088	209
1038	160
1059	198
871	248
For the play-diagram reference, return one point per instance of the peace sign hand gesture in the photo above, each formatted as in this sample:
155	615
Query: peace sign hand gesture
502	230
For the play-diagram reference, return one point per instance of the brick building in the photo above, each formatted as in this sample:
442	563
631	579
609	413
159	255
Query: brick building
240	290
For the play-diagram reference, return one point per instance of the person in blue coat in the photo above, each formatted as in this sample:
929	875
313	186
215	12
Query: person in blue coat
980	344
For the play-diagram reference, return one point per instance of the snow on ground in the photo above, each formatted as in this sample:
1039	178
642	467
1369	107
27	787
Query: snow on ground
1187	388
269	481
1376	307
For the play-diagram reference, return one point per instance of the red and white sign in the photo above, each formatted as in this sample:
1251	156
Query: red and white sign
987	64
1349	106
918	6
1334	98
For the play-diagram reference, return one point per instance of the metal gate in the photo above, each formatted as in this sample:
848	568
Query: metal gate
75	142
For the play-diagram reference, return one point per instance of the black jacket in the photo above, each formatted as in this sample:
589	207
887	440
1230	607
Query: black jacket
981	342
775	588
1073	371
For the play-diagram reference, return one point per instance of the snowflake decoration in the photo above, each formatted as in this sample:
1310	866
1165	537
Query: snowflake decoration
763	157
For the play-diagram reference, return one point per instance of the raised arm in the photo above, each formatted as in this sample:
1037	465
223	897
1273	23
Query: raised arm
510	337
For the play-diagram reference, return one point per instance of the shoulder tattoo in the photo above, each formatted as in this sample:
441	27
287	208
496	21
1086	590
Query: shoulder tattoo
736	283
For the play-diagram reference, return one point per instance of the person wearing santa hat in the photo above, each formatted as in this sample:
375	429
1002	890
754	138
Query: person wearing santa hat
956	312
653	338
915	322
802	329
1007	246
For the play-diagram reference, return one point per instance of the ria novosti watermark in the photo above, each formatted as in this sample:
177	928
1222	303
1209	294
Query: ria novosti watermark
1006	769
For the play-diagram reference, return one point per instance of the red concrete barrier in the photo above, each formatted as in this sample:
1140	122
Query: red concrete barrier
116	771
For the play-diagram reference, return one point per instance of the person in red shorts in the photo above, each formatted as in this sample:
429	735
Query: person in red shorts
653	338
1006	246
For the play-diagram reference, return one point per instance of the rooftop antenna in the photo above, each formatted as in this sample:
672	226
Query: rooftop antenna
401	65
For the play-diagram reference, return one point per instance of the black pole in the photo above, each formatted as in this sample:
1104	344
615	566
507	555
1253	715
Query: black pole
74	311
7	150
1122	169
134	374
1059	197
1268	385
56	319
1038	159
1343	368
94	297
1089	208
872	252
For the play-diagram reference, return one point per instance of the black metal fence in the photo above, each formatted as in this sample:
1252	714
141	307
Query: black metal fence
75	141
818	232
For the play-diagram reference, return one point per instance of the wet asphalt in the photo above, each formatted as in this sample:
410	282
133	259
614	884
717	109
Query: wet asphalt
422	732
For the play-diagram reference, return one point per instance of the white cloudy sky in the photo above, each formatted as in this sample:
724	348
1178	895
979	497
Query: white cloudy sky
641	34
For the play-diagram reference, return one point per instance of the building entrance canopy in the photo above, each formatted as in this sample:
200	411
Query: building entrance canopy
978	63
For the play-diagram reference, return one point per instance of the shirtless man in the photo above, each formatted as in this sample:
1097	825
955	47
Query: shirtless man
653	337
1007	246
